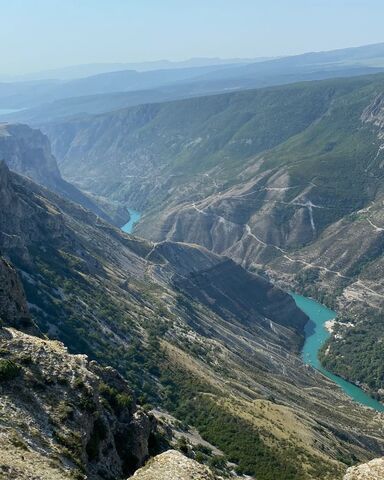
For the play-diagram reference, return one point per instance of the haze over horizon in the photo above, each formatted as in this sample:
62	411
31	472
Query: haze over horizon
118	32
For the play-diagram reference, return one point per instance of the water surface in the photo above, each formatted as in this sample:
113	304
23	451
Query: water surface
7	111
315	336
134	218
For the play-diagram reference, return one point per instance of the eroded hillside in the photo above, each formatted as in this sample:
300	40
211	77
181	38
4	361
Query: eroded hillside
286	181
170	319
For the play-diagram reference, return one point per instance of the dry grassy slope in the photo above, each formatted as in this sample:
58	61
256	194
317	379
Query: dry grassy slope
105	293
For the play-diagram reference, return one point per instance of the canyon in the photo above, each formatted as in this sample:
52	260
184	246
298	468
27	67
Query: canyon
243	197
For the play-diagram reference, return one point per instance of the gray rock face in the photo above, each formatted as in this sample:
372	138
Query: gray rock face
374	113
59	412
13	305
28	152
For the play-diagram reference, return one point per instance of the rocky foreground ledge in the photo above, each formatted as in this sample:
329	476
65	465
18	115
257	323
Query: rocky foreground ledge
373	470
173	465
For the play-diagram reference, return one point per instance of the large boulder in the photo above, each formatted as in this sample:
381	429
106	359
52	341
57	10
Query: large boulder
173	465
373	470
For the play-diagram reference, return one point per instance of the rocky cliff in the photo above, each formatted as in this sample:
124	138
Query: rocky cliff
28	152
65	417
13	305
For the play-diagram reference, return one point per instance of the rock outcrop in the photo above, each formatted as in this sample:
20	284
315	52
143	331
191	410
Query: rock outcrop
373	470
173	465
28	151
63	416
13	305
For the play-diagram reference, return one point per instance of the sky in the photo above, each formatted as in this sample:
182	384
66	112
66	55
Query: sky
39	35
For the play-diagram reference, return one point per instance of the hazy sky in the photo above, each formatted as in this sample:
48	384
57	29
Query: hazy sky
44	34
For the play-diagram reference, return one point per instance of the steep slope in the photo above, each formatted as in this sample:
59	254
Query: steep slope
185	145
62	417
164	317
13	305
284	180
28	152
181	158
321	189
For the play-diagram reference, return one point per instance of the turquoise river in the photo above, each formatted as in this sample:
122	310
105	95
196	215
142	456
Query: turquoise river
134	218
315	336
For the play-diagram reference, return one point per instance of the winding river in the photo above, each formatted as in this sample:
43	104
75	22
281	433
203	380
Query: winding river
315	336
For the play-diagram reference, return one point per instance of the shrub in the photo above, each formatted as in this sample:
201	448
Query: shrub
8	369
117	401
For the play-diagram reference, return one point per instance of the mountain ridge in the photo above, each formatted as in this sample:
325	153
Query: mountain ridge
163	85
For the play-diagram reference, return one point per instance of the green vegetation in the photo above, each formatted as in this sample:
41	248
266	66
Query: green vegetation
242	443
64	411
116	400
313	130
8	369
87	402
141	360
307	284
357	354
72	442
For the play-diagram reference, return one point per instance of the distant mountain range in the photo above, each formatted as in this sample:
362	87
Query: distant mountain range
43	100
87	70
